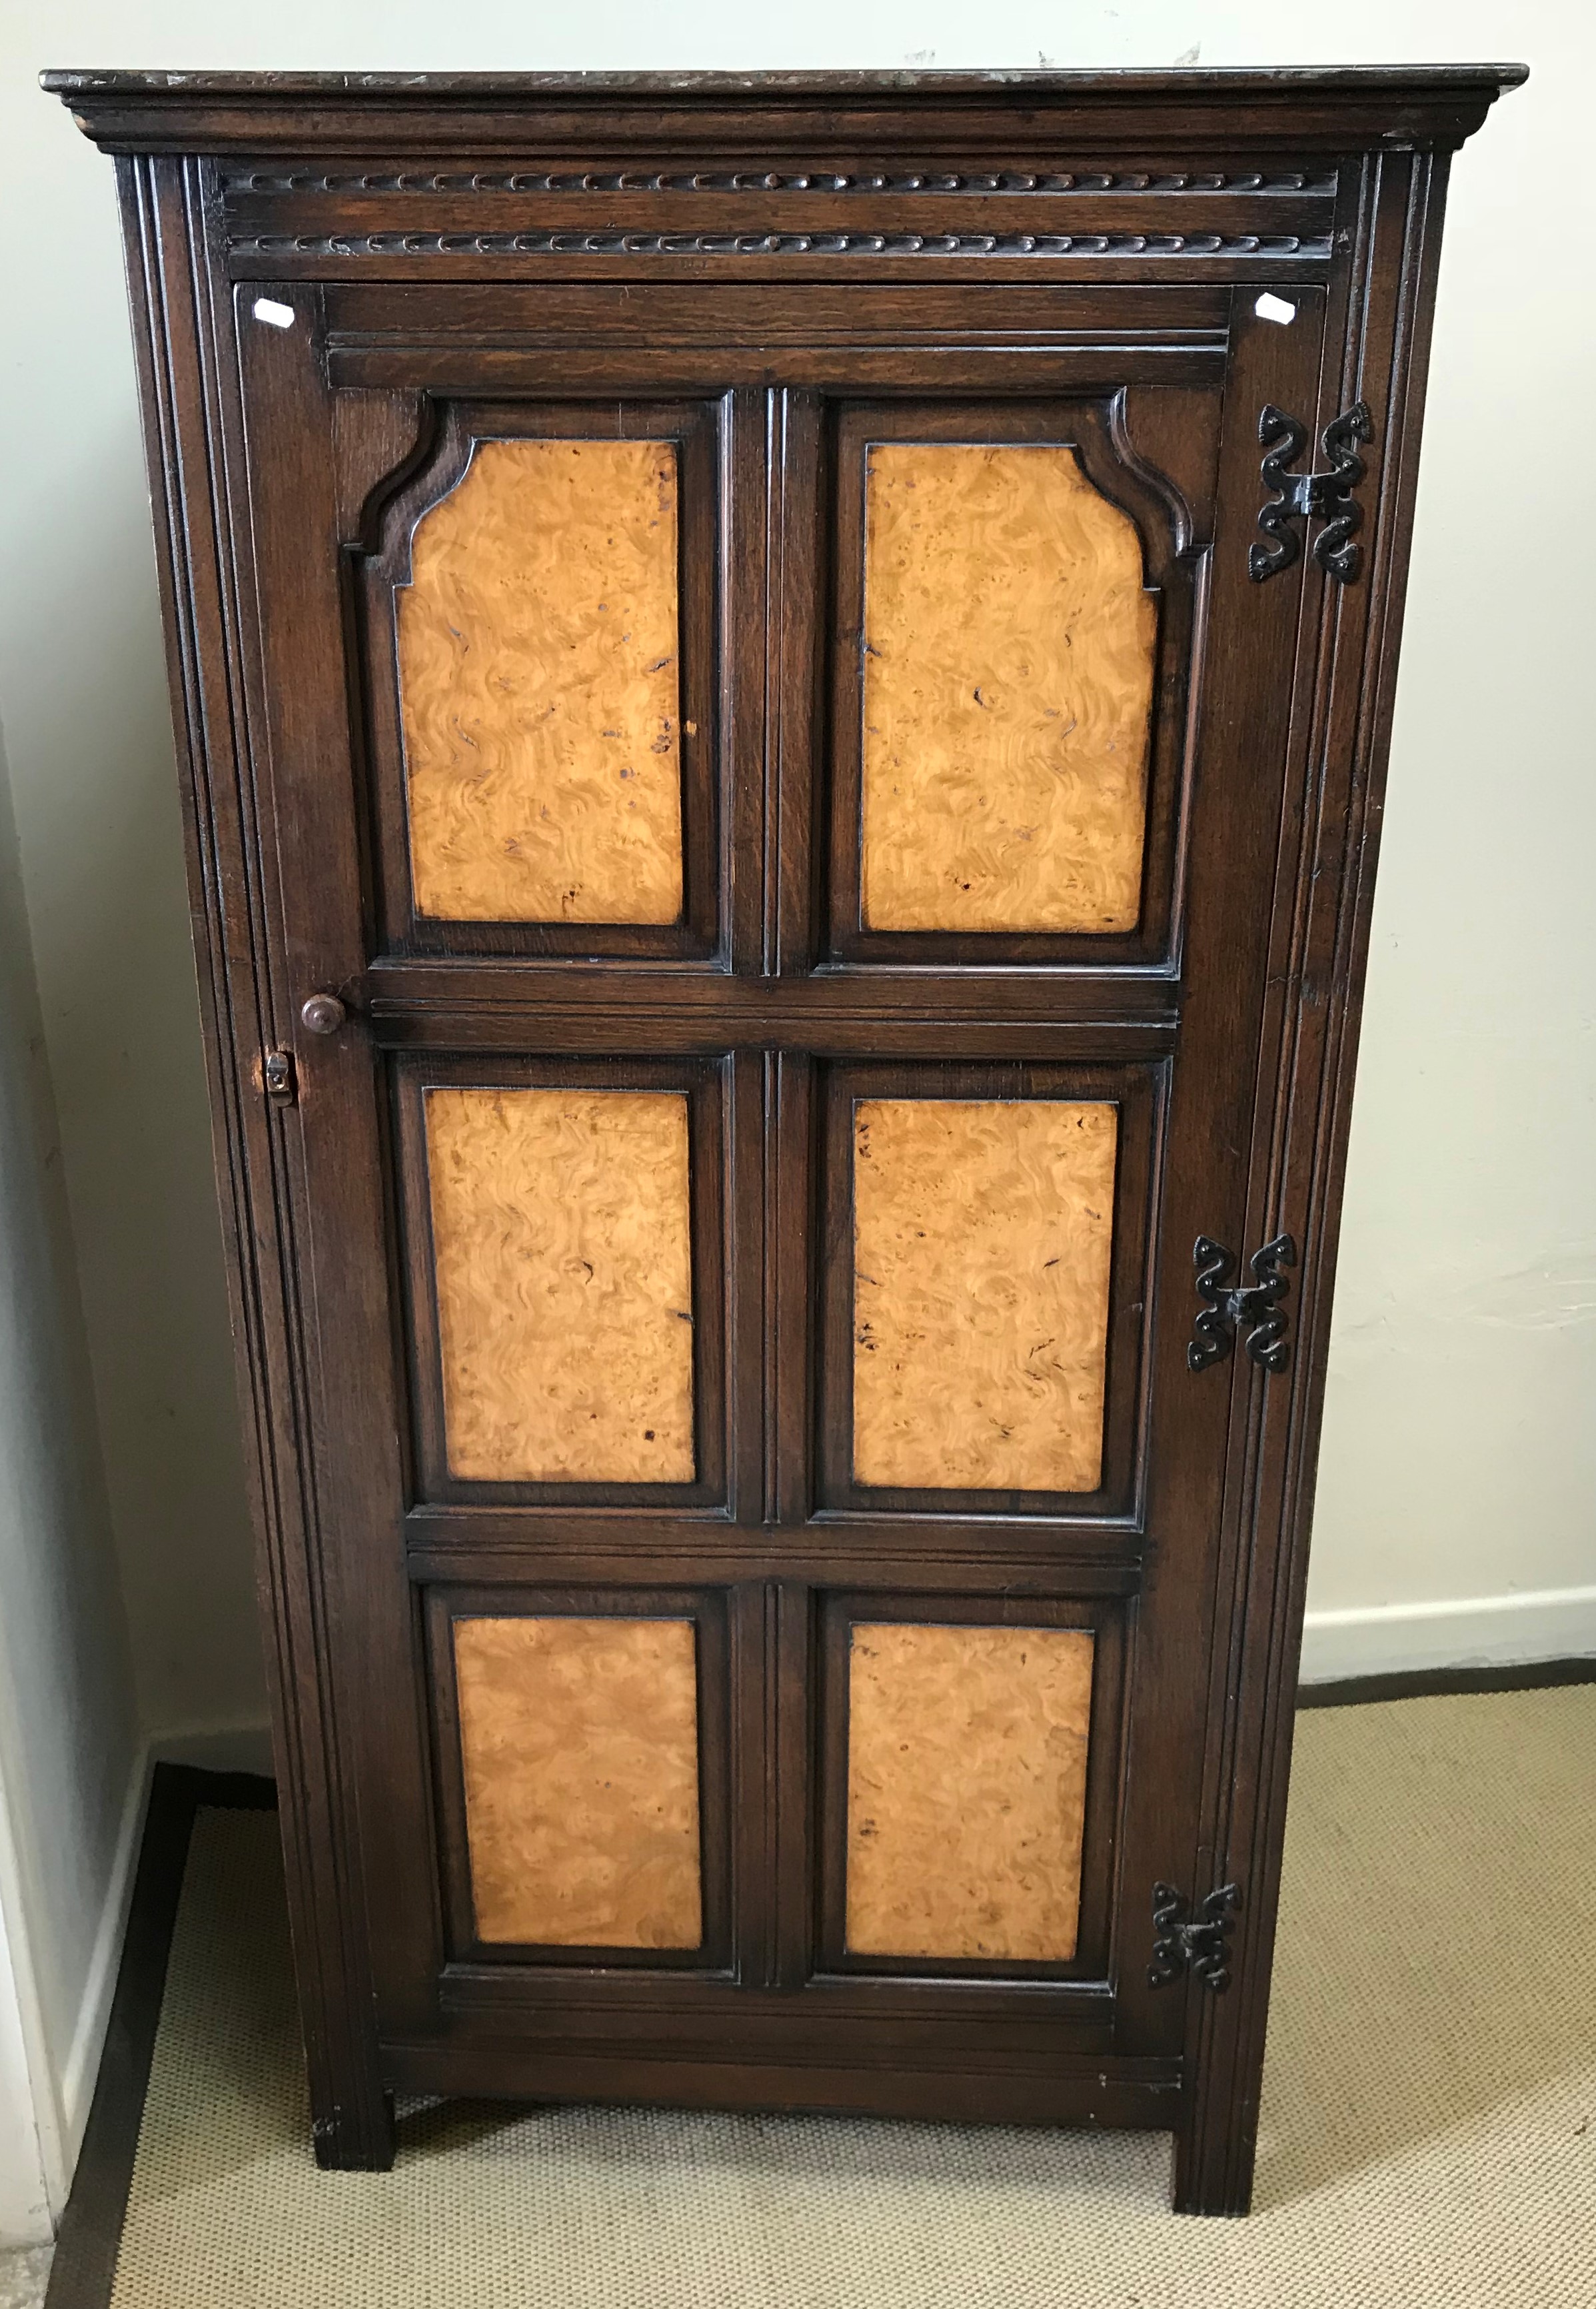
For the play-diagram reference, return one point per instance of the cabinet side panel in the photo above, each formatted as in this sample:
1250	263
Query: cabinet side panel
1376	348
193	448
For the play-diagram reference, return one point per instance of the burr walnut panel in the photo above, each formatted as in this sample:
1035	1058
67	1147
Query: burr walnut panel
561	1257
579	1747
1008	671
967	1754
983	1234
539	686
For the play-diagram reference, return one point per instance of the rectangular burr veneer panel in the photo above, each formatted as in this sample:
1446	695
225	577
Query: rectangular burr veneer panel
1008	680
579	1742
983	1233
967	1790
562	1241
538	688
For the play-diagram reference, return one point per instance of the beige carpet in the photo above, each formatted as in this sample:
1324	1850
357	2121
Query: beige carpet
1427	2136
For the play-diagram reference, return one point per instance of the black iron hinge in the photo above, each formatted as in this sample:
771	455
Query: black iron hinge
1297	496
1230	1308
1199	1944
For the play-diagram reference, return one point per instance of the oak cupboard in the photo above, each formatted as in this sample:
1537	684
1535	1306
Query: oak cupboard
784	688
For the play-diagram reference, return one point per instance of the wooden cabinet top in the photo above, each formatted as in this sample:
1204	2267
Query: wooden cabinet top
1398	107
906	176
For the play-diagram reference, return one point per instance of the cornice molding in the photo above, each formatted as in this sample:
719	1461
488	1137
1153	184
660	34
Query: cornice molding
1184	113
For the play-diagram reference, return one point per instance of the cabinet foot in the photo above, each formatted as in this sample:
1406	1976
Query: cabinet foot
1217	2204
1213	2164
350	2141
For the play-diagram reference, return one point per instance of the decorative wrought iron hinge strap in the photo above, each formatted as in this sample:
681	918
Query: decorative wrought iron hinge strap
1199	1944
1230	1308
1297	496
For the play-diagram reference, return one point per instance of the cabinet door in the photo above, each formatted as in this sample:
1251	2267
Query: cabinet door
785	791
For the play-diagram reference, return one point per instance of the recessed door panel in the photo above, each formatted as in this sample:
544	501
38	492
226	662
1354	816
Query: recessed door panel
541	585
1009	653
1016	642
562	1237
967	1790
970	1783
564	1244
579	1738
538	679
982	1288
983	1236
578	1745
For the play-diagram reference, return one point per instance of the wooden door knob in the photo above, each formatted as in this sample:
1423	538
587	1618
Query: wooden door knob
324	1014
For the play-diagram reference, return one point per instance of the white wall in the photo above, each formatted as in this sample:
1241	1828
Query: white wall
25	2216
71	1759
83	703
1457	1470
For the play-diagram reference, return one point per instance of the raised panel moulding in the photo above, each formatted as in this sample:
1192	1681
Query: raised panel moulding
983	1233
967	1791
579	1746
1008	671
538	688
562	1242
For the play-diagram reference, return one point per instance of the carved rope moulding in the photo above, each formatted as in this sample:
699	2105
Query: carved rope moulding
1059	191
760	244
761	180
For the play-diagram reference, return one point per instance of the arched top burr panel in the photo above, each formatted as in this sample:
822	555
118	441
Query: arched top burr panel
539	588
1019	630
1008	654
538	687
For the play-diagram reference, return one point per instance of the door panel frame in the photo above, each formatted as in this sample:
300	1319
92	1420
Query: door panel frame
707	1085
1100	427
1140	1093
708	1609
1206	1109
287	959
453	429
838	1612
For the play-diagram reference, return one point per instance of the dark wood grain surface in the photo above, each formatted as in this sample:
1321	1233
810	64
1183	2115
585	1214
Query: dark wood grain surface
769	272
